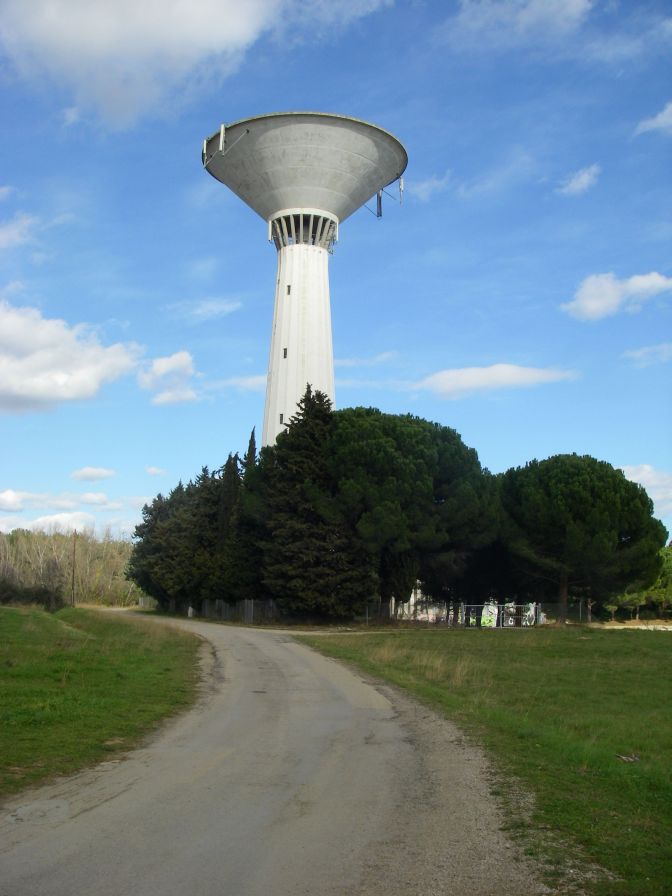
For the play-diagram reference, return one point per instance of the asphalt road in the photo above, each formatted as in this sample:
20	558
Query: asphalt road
292	775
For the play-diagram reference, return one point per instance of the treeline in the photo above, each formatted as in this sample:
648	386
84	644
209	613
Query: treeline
355	504
37	567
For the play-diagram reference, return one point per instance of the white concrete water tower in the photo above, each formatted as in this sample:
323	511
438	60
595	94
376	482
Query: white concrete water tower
304	173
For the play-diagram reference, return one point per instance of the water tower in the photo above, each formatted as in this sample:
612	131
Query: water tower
304	173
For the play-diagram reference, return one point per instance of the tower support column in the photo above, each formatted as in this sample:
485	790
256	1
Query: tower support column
301	344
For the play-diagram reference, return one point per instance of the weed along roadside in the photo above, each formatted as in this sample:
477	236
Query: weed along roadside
582	718
80	685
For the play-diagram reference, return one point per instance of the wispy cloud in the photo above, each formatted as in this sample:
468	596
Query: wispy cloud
92	474
17	231
202	310
70	116
155	471
429	187
580	181
658	485
557	29
5	192
169	378
16	501
254	383
503	24
381	358
650	354
138	501
459	382
10	288
515	167
123	59
603	295
99	499
661	122
44	361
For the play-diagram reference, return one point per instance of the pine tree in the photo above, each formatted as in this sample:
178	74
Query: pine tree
580	525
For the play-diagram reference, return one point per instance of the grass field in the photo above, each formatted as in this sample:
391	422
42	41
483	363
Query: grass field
79	685
557	708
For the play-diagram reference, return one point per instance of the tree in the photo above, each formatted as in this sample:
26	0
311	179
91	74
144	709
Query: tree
657	596
577	522
660	593
247	532
146	553
312	564
414	494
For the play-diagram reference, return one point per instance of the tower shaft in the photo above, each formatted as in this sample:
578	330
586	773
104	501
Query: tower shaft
301	345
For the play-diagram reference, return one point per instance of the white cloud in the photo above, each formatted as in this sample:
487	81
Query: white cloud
206	309
580	181
12	500
5	192
17	231
658	485
459	382
44	361
15	501
61	522
126	58
660	122
602	295
92	474
650	354
155	471
380	358
429	187
169	378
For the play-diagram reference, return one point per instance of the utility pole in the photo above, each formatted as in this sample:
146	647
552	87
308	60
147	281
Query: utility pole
74	558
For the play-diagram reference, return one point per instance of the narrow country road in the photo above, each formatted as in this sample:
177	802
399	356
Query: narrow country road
290	776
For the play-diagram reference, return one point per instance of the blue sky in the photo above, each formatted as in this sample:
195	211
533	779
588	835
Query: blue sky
521	293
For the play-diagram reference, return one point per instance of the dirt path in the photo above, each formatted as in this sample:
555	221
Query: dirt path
292	775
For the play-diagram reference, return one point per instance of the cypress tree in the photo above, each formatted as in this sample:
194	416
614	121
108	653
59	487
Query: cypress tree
247	530
312	562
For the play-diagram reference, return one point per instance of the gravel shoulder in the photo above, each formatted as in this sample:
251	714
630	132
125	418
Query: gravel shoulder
292	775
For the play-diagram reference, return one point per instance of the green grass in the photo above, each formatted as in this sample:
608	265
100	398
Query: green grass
78	686
556	708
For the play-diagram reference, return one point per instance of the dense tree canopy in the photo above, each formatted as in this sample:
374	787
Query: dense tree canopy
355	505
577	523
415	495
